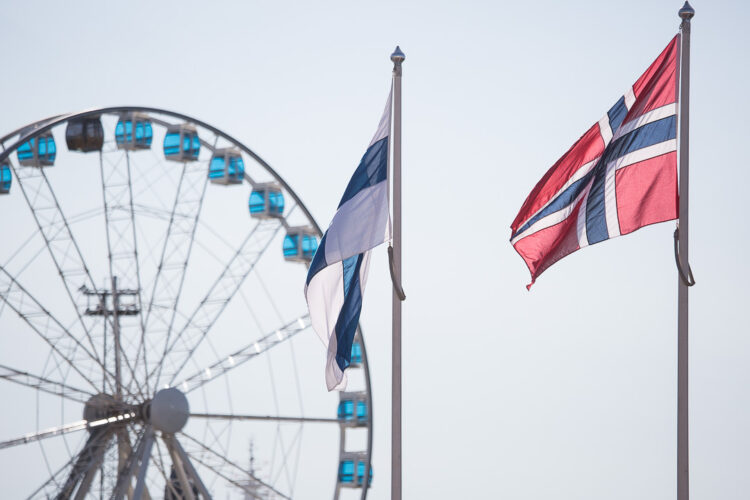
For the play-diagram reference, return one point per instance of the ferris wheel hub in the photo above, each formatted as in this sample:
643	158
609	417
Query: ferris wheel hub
169	410
98	406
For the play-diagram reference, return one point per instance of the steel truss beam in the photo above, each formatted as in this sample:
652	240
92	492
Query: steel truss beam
175	254
245	354
44	384
119	216
122	252
55	230
218	296
47	433
92	425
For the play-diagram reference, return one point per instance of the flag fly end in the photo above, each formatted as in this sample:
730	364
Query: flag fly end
621	174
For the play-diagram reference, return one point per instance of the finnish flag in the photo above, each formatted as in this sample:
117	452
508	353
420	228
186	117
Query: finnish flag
338	272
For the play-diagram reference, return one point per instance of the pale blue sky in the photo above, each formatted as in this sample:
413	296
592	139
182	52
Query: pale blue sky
567	391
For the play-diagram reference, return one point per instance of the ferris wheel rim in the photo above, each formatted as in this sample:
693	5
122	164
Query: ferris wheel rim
46	124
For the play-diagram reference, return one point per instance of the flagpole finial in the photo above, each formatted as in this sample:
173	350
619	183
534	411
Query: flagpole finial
686	12
397	57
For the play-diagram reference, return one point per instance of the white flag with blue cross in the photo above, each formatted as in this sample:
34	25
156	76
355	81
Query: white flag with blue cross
338	272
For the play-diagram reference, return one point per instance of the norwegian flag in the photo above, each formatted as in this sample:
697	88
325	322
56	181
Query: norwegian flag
619	176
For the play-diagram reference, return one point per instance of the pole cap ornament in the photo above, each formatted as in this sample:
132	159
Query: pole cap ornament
397	57
687	11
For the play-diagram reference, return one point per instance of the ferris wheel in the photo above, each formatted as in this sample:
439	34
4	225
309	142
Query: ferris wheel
154	339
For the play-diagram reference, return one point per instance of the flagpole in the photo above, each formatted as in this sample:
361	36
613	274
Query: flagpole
397	57
683	482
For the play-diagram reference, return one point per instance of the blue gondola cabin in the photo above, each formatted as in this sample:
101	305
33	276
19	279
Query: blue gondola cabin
5	179
39	151
356	353
226	167
352	470
181	143
134	131
300	244
352	409
266	201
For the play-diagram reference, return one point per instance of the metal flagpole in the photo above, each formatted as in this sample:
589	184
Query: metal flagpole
683	483
397	57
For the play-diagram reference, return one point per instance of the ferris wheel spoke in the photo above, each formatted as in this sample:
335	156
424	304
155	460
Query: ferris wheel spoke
221	292
241	356
47	433
122	253
184	468
175	254
47	326
280	317
219	462
44	384
134	380
271	418
91	425
122	243
285	453
58	237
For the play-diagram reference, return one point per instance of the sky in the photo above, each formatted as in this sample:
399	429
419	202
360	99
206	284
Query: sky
567	390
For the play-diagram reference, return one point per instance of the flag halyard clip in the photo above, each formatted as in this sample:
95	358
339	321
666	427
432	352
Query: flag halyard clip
688	279
396	286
